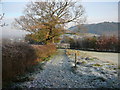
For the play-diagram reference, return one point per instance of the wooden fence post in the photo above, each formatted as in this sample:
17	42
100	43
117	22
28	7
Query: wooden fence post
75	59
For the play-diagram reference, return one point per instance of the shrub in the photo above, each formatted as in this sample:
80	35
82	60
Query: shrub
107	43
102	43
44	51
16	59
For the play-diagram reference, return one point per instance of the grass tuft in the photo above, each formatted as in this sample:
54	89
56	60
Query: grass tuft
98	65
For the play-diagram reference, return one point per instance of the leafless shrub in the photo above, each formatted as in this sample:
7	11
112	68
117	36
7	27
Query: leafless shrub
18	57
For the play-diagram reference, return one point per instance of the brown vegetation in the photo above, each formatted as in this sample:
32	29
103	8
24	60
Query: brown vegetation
17	58
102	43
44	51
49	17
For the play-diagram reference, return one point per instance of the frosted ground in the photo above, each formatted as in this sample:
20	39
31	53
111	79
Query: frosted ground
109	57
59	72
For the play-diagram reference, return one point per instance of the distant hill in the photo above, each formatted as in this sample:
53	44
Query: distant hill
99	28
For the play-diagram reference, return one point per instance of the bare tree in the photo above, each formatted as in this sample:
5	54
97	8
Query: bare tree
2	24
1	17
1	20
50	17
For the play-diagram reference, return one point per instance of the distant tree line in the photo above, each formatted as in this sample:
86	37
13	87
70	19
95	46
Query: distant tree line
102	43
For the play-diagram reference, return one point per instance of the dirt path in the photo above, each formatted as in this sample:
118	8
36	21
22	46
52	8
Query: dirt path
58	73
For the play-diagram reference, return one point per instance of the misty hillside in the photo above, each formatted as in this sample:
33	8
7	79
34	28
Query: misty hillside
99	28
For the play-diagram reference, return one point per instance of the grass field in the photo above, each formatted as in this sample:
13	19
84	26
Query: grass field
104	56
109	57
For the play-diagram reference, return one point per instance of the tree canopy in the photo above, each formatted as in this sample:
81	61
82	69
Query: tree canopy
46	20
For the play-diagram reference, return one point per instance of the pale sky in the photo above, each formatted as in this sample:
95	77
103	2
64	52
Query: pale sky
96	10
55	0
101	11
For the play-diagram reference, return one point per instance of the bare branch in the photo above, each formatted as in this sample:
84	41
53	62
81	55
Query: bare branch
50	16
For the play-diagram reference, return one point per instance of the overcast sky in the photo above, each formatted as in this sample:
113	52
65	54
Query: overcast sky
96	10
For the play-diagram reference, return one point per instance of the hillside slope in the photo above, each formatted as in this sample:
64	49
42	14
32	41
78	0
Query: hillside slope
99	28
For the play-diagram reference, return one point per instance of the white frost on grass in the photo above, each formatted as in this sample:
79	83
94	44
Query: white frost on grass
59	73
